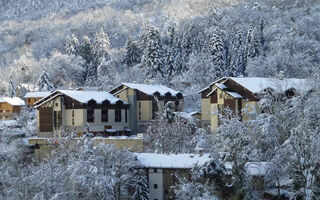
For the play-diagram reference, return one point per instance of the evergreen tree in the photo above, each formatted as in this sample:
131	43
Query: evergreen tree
91	78
217	55
139	185
86	50
101	47
12	89
186	50
153	58
44	83
132	55
72	45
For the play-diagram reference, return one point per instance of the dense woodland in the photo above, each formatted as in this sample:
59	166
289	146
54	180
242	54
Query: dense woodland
184	45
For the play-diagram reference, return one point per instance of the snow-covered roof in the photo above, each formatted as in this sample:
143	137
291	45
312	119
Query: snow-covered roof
36	94
151	89
14	101
256	84
85	96
82	96
234	95
173	161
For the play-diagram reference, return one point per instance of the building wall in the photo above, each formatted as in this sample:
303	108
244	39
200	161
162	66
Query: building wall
205	111
31	101
80	120
144	111
7	110
156	177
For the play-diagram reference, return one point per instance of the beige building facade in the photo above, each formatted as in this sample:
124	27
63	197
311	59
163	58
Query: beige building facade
242	96
144	100
66	111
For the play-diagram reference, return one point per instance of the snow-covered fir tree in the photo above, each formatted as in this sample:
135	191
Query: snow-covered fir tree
72	45
217	52
153	58
101	47
44	83
12	89
132	54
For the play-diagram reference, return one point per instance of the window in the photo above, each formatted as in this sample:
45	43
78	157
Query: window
57	104
29	100
155	186
139	104
90	115
73	113
220	96
126	116
117	115
155	170
104	115
72	121
57	119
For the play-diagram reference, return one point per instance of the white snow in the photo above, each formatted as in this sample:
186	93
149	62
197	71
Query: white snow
14	101
85	96
253	168
36	94
257	84
151	89
172	161
234	95
221	86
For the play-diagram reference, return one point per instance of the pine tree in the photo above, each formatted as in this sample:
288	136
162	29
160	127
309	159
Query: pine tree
217	55
153	58
139	185
101	47
12	89
86	49
132	55
72	45
186	50
44	83
91	78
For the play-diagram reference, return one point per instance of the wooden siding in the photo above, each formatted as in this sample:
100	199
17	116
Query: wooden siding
214	97
247	94
45	119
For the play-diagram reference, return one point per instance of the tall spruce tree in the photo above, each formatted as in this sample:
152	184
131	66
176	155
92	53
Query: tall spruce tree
101	47
217	54
72	45
132	55
153	59
44	83
12	89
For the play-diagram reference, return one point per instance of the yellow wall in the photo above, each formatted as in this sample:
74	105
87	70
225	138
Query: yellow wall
144	113
31	101
78	117
205	108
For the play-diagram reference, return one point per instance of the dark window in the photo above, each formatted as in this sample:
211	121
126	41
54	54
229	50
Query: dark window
104	115
57	119
155	186
155	170
72	121
139	104
73	113
57	104
90	115
117	115
126	115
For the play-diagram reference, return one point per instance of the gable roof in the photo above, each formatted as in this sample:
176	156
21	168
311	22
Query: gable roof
82	96
258	84
36	94
14	101
172	161
151	89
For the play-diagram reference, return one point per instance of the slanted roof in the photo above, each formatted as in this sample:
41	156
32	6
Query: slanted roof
171	161
151	89
257	84
86	96
36	94
14	101
82	96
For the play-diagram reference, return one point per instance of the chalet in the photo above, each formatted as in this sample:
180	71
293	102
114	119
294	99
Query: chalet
77	111
32	97
10	106
243	94
163	169
143	103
